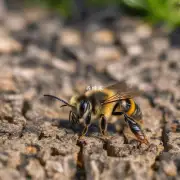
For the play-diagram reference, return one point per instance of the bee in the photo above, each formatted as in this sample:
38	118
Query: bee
101	104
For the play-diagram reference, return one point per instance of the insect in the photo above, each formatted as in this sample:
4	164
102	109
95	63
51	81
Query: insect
101	104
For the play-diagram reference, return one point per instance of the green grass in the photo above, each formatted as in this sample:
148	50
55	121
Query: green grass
158	11
154	11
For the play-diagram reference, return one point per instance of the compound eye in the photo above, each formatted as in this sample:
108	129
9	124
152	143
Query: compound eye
83	107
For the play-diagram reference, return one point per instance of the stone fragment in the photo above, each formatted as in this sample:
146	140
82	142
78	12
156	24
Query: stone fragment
10	174
70	37
61	167
35	170
144	31
160	44
15	22
103	36
135	50
8	45
107	53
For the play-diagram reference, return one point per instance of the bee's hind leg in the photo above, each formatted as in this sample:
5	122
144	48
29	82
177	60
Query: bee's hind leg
136	130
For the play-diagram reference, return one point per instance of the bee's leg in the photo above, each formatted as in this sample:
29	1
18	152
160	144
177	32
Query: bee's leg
103	125
85	130
136	129
87	124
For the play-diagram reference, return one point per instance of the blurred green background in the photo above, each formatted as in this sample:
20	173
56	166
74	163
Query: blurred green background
166	12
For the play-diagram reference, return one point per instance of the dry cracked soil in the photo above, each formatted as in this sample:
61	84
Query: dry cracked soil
40	54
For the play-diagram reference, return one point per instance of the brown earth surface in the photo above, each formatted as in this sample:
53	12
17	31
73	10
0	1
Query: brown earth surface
40	54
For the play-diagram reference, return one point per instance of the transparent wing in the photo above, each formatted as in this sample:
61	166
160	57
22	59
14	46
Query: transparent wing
122	92
122	86
120	96
118	86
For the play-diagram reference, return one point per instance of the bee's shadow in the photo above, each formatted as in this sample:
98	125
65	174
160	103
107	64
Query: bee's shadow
78	128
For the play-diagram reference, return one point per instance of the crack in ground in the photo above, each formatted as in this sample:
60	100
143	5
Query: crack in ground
80	167
164	132
164	111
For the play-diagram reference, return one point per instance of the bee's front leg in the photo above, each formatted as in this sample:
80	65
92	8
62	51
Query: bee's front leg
103	125
87	122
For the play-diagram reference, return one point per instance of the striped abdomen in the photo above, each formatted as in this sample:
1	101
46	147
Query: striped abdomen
132	109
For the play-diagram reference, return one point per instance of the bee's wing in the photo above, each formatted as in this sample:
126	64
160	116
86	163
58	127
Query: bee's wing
122	86
123	92
119	96
118	86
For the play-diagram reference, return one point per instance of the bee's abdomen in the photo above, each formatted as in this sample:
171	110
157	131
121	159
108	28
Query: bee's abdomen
134	110
137	114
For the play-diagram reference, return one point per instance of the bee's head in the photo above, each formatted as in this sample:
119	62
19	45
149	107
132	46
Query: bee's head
80	107
84	107
81	104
